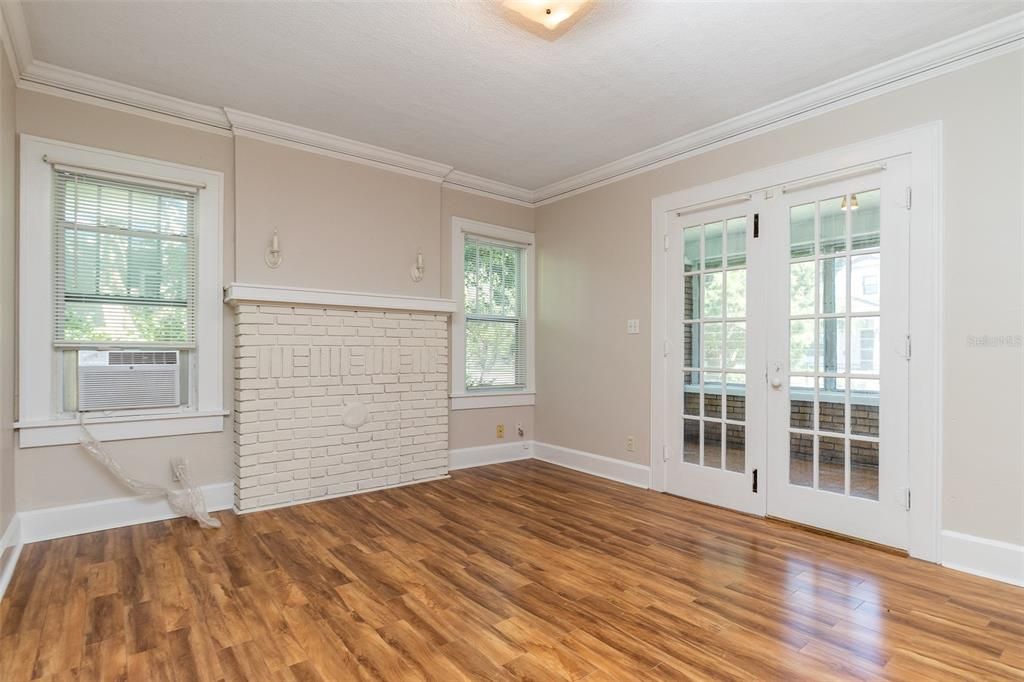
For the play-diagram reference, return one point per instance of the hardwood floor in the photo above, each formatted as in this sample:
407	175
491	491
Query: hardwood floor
513	571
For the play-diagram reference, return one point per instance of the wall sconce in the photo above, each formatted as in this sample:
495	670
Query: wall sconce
272	256
416	271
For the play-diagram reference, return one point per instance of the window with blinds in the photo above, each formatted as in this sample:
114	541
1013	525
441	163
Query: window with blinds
125	262
495	315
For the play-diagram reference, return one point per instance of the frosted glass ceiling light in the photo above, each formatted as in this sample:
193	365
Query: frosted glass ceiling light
547	19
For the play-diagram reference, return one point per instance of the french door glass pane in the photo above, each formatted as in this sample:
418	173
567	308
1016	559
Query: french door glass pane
801	459
712	246
832	345
735	448
864	469
736	241
801	345
736	397
713	395
801	288
866	220
801	231
691	297
691	441
833	225
713	444
865	280
713	294
691	248
832	464
736	293
832	285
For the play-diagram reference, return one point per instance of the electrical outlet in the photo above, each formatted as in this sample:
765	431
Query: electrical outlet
520	430
630	444
500	431
177	465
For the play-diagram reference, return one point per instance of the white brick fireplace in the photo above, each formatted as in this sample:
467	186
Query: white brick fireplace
336	393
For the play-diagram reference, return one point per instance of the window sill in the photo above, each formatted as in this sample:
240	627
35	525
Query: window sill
475	401
66	431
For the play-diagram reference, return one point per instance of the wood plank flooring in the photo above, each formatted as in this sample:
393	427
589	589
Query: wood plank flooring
514	571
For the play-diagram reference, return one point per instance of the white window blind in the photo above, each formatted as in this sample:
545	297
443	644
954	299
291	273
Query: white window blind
495	315
125	262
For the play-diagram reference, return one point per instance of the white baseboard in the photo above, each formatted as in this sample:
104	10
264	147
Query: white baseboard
994	559
586	462
464	458
596	465
10	550
75	519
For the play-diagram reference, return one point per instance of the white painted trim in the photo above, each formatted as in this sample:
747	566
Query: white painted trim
985	42
93	100
324	498
317	141
597	465
489	188
465	458
236	293
924	145
585	462
39	383
88	517
67	431
993	559
460	228
76	81
8	560
472	401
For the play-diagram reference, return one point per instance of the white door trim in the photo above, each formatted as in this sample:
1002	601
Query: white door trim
924	145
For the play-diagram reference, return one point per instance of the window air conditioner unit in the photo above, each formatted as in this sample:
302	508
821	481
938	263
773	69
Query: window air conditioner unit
118	380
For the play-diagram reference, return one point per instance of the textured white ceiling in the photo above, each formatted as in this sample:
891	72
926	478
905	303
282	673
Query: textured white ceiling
456	82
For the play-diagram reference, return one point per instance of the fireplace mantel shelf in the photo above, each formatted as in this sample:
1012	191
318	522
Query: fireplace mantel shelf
235	294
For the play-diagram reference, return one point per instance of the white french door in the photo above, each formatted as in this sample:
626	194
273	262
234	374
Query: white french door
715	386
838	349
786	372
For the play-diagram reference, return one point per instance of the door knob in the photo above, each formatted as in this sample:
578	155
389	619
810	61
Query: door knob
776	375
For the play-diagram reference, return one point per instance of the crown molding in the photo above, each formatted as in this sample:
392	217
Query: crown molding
41	73
475	184
360	152
985	42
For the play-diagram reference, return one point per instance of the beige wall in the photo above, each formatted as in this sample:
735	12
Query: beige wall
473	428
7	288
55	476
595	271
342	225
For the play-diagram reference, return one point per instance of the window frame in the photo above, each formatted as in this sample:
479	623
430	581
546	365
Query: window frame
461	397
42	420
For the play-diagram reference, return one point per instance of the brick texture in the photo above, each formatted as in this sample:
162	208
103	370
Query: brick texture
298	372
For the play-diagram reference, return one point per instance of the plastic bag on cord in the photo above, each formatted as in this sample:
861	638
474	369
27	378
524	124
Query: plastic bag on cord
188	501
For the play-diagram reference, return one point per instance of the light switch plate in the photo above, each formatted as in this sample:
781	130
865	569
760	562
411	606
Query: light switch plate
632	326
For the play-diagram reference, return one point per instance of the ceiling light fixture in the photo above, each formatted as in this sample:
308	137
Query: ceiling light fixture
548	19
